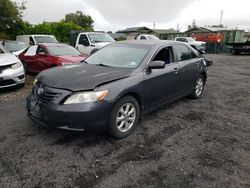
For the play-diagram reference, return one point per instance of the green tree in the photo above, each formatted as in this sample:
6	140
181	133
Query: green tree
85	21
60	29
11	21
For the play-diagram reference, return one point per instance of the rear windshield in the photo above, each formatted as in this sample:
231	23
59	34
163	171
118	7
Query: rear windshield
120	55
62	50
152	37
45	39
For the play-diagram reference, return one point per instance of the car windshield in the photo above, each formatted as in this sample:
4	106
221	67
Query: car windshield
15	46
119	55
95	38
190	39
45	39
152	37
62	50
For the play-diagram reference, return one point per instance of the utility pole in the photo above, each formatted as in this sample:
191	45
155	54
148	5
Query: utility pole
154	25
221	15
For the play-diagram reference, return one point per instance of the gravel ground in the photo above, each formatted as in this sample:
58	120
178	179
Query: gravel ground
17	94
201	143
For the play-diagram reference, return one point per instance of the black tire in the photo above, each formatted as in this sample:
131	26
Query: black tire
235	52
198	89
113	129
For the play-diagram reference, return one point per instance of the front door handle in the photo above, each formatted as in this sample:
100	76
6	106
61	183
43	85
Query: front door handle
176	70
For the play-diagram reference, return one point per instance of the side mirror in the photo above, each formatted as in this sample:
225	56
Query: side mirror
156	65
42	54
201	52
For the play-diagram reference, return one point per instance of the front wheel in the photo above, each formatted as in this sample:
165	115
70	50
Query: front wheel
198	89
124	117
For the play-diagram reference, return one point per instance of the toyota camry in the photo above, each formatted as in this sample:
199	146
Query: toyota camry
116	86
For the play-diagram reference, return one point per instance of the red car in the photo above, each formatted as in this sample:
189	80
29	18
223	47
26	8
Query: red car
43	56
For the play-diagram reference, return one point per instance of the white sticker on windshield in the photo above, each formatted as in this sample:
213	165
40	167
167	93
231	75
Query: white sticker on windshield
133	63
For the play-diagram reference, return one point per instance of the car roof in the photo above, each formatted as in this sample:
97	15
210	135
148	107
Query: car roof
35	35
148	42
52	44
93	33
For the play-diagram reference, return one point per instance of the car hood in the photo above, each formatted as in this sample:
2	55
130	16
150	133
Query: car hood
77	77
198	43
8	59
101	44
70	58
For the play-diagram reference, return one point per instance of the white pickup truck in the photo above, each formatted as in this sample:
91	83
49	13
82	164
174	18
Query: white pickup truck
198	45
87	42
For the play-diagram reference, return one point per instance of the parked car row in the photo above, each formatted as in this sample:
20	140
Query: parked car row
40	52
108	90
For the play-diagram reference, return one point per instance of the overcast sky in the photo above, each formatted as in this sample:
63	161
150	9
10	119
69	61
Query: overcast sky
118	14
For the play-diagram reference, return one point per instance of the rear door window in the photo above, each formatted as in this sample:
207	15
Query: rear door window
179	39
143	38
182	52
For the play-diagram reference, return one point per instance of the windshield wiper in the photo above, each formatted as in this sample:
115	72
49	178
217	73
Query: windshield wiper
83	61
100	64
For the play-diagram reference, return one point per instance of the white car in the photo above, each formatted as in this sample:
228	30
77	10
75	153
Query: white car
198	45
11	69
89	41
147	37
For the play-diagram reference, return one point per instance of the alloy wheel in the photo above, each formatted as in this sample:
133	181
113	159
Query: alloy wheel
125	117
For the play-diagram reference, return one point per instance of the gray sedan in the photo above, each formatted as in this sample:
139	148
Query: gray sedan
116	86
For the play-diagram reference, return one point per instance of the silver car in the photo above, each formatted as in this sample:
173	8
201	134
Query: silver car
198	45
11	69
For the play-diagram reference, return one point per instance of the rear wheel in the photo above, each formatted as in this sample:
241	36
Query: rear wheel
124	117
199	87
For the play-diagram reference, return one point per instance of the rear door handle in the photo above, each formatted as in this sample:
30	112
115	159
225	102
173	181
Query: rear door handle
176	70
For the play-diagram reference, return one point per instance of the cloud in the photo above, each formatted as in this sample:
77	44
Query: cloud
132	12
119	14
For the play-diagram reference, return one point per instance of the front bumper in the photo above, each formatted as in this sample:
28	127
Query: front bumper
12	77
91	116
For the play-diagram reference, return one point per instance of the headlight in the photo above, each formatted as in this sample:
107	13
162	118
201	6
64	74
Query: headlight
35	81
16	65
204	62
83	97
